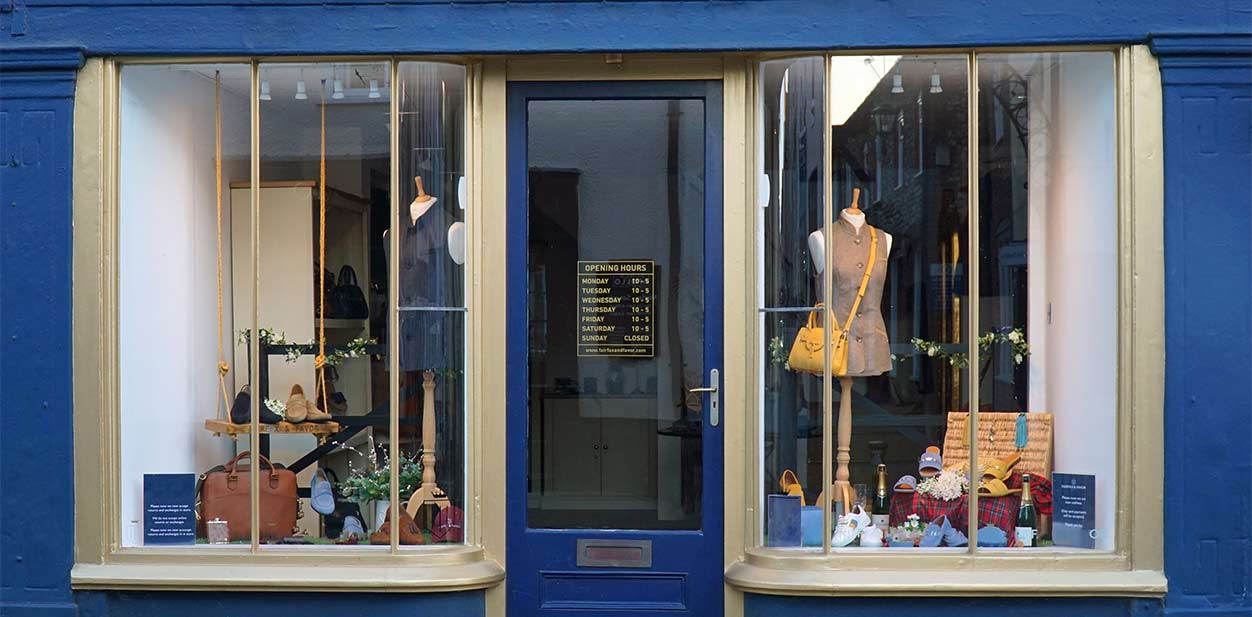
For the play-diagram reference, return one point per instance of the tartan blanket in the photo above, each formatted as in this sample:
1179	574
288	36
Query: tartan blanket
998	511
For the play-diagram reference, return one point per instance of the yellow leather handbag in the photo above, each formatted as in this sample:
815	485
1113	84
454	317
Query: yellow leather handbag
807	351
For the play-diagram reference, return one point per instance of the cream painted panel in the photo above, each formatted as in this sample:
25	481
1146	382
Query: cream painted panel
286	302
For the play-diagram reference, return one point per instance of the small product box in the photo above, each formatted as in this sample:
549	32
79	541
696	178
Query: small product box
782	514
811	525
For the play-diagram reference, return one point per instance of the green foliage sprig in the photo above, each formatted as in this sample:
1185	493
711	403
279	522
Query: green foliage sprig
374	482
1014	337
778	351
353	349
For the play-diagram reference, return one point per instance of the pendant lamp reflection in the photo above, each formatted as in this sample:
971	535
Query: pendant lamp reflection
374	93
265	89
301	92
897	81
338	94
935	88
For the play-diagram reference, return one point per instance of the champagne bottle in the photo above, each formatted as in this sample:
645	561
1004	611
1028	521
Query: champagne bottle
881	509
1027	517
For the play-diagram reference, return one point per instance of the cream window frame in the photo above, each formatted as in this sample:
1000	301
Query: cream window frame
1135	569
1135	566
101	562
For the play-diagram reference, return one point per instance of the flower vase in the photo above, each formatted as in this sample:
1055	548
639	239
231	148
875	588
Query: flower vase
380	513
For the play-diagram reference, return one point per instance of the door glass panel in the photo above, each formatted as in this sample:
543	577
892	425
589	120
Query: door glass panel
616	313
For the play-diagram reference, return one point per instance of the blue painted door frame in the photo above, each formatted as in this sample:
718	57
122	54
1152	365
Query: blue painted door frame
690	560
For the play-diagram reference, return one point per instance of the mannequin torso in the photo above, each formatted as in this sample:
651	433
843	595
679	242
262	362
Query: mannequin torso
817	241
850	245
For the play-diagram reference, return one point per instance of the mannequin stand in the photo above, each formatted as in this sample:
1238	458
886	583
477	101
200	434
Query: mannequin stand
429	492
842	490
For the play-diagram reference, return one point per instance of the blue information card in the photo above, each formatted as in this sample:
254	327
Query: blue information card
169	508
1073	510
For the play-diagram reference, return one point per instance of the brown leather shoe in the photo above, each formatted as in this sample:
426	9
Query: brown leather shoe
410	534
383	535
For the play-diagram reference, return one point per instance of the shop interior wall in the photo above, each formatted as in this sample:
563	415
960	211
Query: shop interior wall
168	276
1073	256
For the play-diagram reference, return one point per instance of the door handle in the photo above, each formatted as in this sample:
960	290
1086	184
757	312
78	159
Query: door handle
715	397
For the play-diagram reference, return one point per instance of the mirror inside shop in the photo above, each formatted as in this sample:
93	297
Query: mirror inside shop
891	432
255	318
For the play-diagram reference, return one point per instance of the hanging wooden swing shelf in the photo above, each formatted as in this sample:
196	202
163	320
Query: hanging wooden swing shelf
323	430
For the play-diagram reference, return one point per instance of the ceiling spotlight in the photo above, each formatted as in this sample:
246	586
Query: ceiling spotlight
338	94
374	93
301	93
935	88
897	82
265	90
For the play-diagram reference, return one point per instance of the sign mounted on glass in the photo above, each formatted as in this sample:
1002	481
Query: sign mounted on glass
1073	502
616	308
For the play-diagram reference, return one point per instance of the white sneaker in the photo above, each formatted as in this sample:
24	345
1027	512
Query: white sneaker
850	526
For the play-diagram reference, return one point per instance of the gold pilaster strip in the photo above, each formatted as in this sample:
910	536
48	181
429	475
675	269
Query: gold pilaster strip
471	474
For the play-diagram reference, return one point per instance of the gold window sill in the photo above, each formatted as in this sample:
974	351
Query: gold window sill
800	573
464	569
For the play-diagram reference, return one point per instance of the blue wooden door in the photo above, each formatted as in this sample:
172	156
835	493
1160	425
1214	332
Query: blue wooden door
615	345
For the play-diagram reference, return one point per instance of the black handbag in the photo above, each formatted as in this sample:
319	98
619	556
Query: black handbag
328	289
348	296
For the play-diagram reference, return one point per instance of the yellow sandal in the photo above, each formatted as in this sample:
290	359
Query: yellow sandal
1001	468
791	485
992	487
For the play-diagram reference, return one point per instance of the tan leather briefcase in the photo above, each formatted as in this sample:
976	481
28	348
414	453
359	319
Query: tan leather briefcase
225	494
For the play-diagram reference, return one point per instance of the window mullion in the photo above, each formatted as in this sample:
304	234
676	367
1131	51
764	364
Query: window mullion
827	283
393	325
254	196
972	332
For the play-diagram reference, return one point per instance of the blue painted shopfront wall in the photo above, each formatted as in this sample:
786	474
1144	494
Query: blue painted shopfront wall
1208	235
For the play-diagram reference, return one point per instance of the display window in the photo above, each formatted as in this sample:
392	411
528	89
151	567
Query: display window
938	292
292	328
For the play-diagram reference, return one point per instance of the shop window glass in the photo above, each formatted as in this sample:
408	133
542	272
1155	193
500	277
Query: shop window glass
431	297
320	266
171	337
1048	286
1046	317
894	398
322	388
791	153
899	396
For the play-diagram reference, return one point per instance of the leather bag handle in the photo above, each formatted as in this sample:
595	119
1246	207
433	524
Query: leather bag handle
233	465
346	274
